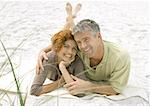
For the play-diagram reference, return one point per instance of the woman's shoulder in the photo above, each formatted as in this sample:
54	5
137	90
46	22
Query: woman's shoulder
77	61
77	66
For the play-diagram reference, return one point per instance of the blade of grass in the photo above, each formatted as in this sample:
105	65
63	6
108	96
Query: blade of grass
6	61
4	91
14	75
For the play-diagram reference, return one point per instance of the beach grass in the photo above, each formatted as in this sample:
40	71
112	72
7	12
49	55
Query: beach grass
14	75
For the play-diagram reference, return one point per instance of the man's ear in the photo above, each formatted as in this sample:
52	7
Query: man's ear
98	34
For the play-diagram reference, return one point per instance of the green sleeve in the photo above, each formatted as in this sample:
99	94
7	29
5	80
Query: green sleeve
119	76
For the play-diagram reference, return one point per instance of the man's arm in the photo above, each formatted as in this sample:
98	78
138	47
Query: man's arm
47	49
102	89
42	55
80	85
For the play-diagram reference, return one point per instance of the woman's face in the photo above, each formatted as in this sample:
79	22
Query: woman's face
68	51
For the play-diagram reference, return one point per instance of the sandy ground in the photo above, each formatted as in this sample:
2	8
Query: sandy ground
33	22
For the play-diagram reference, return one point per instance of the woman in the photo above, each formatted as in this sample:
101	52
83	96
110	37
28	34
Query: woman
68	26
61	60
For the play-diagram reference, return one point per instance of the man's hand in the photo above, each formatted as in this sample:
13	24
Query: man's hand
42	55
78	86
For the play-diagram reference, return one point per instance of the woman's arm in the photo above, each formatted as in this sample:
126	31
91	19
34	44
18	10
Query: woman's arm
67	77
52	86
38	90
38	86
65	73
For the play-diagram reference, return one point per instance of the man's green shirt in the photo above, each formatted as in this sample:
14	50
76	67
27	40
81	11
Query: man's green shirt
113	69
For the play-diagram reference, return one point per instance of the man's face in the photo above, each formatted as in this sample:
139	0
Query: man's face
87	43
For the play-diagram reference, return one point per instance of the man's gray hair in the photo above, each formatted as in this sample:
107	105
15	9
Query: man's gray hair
86	25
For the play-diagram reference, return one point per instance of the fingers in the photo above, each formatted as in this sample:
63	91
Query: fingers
42	56
39	65
69	84
45	56
71	88
37	69
74	77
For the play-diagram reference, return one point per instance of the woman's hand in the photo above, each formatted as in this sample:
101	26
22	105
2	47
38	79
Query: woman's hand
42	55
63	65
64	71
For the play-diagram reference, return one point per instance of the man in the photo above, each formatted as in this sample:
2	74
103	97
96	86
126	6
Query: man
107	65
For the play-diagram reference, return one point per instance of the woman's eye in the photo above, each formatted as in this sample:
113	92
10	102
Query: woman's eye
65	46
86	40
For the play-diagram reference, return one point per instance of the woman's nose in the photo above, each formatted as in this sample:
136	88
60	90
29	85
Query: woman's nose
70	51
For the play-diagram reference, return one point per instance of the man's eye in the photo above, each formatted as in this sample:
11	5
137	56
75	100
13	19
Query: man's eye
78	43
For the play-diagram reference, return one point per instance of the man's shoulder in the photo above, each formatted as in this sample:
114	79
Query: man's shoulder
51	57
115	49
116	53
